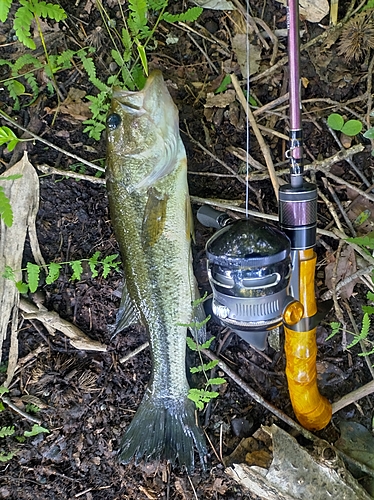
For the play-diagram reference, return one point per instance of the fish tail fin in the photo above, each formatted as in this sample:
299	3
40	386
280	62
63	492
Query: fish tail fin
164	428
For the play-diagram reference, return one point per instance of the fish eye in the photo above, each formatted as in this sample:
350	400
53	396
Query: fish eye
113	121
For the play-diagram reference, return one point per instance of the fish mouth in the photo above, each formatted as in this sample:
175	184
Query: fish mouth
146	100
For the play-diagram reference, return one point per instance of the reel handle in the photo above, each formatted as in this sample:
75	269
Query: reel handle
312	409
210	217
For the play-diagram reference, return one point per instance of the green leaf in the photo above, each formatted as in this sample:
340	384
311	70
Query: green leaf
92	262
3	390
33	272
369	134
22	24
6	431
365	241
7	135
143	57
11	177
22	287
109	264
49	10
77	268
53	272
204	367
335	121
352	128
5	457
191	344
8	274
6	212
335	326
364	331
223	86
208	343
190	15
370	296
36	429
31	408
2	407
216	381
368	309
4	9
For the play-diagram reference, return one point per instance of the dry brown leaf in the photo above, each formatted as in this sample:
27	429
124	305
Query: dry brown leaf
346	267
74	106
220	100
312	10
240	47
23	194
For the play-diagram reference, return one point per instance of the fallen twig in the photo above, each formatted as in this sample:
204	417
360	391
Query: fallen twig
21	412
78	339
264	147
353	396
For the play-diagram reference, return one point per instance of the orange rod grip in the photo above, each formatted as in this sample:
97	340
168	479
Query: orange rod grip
312	410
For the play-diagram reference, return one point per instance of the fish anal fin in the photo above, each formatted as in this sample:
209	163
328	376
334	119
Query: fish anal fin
154	217
127	314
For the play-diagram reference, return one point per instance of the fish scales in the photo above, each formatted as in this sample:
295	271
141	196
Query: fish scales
150	212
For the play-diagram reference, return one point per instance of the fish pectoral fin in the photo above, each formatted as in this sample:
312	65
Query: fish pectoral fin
127	314
154	217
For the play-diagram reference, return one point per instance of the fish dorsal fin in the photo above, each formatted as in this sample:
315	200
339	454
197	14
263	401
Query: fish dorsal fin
154	217
127	314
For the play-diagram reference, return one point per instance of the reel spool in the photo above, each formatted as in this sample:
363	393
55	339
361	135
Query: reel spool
249	269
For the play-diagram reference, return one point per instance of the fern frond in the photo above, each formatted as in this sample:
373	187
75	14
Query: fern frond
6	212
32	81
90	68
137	20
25	59
33	272
157	4
190	15
364	331
6	431
4	9
22	25
53	273
49	10
5	457
77	268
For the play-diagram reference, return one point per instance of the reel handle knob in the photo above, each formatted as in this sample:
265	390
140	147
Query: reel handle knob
210	217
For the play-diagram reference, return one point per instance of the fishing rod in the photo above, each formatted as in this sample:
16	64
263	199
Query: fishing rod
262	276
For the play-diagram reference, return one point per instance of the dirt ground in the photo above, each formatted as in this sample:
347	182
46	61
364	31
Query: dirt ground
87	398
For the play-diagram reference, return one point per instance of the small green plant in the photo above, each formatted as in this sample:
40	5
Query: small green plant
336	327
350	127
33	271
6	212
9	431
202	396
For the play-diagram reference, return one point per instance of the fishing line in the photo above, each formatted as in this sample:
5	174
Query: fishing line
247	111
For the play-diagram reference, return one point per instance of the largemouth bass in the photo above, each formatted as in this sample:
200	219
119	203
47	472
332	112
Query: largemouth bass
150	210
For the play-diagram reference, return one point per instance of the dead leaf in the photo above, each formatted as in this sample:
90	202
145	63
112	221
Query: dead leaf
23	194
214	4
312	10
219	486
346	267
295	473
74	106
219	100
240	47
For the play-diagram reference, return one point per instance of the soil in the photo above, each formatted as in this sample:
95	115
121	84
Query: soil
87	399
